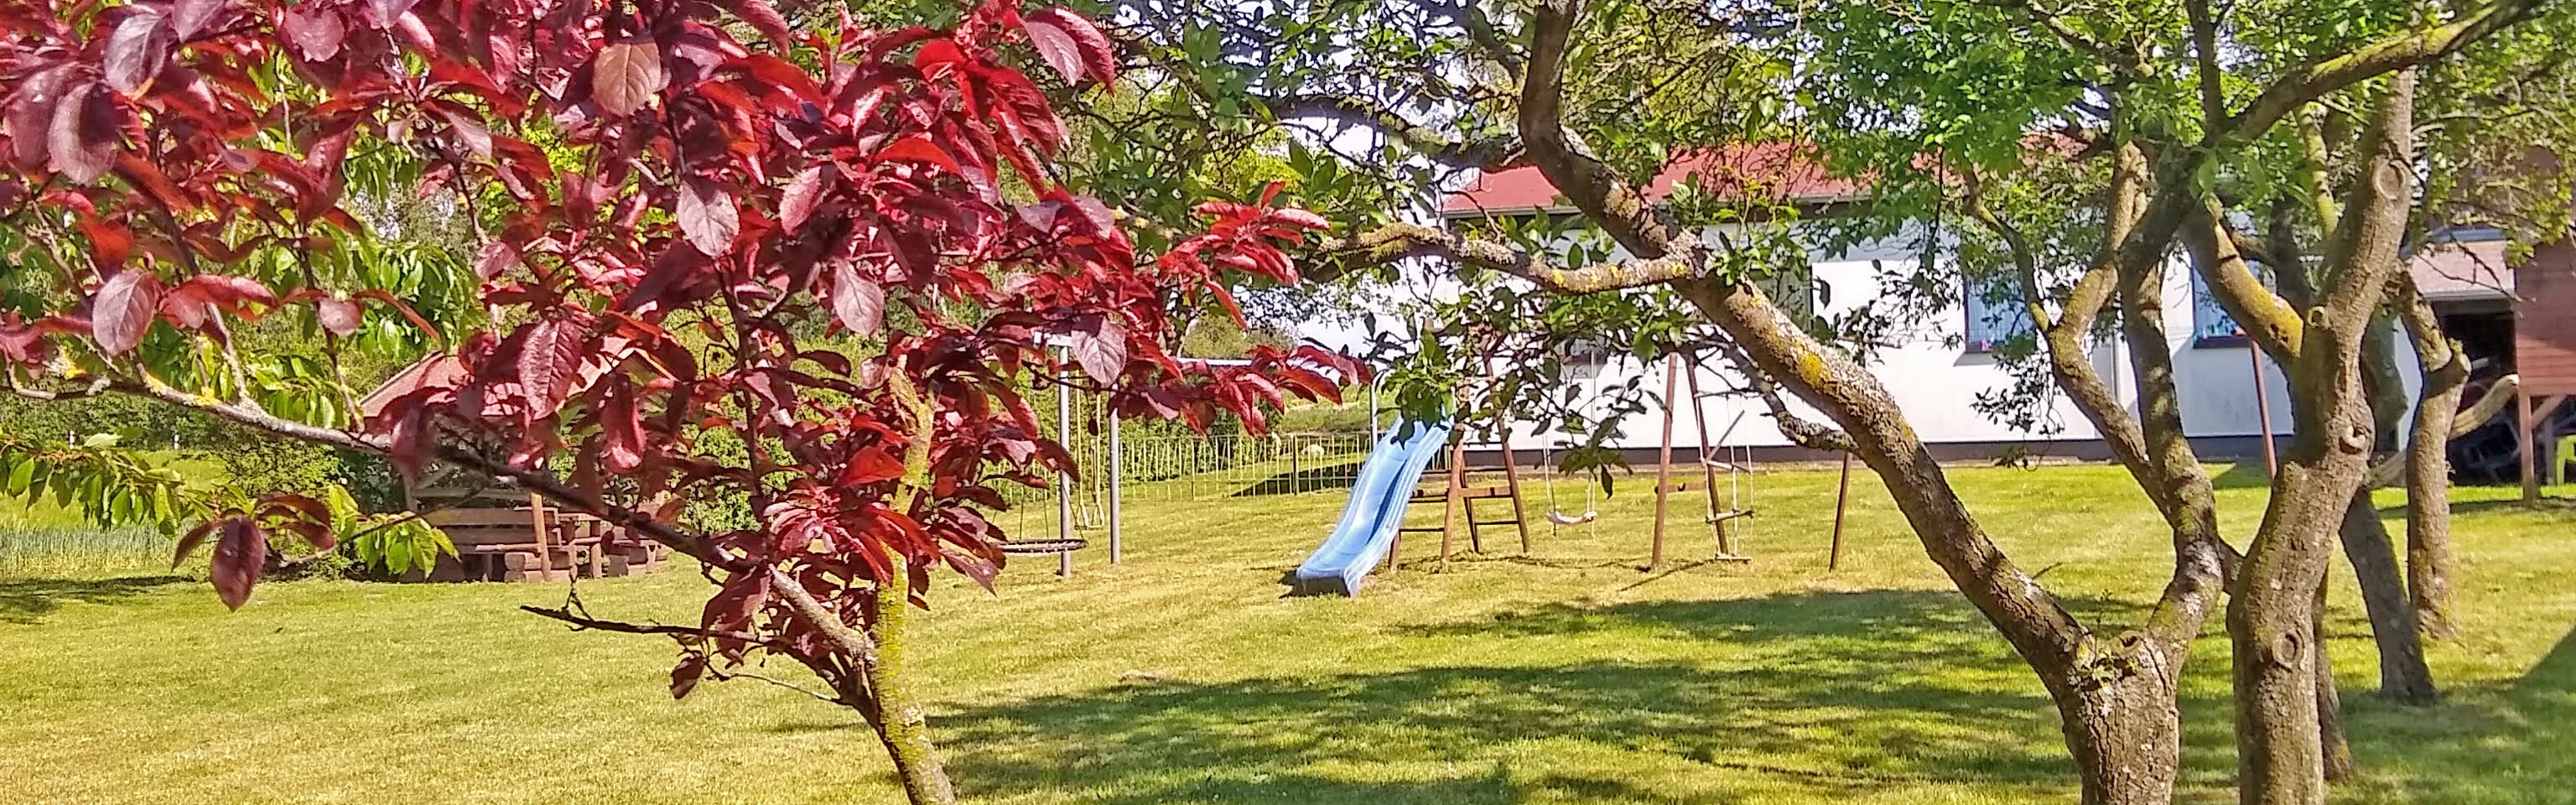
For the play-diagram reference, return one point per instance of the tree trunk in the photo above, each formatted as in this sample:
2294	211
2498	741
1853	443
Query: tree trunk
2403	677
2125	736
901	721
2337	749
2271	622
2115	698
2271	615
2428	461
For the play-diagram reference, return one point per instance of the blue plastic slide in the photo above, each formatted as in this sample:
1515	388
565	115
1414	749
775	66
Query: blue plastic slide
1360	541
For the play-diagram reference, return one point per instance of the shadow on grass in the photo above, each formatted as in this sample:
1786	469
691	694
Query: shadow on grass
28	600
2245	474
2502	745
1337	475
2559	506
1830	693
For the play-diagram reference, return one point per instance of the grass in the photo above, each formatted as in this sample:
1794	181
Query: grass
1183	676
41	539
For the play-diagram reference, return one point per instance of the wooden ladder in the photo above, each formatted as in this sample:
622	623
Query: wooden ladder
1458	500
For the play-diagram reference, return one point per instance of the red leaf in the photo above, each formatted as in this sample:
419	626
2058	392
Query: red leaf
859	303
1097	57
496	257
469	133
549	360
136	49
188	544
802	194
763	18
82	136
707	216
625	77
31	111
109	243
731	608
871	465
684	677
340	316
1057	47
317	33
191	17
624	447
123	310
1103	354
919	148
238	557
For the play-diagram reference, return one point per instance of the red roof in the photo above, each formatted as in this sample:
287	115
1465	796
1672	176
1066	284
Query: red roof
1785	170
2462	269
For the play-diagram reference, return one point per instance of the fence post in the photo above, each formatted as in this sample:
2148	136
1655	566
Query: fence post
1064	478
1117	483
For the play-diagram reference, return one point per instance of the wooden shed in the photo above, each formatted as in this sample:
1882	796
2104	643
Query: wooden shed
2544	351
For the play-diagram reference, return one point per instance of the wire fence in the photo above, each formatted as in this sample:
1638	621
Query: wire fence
1187	468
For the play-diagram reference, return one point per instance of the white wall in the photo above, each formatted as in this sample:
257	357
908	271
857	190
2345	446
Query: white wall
1936	383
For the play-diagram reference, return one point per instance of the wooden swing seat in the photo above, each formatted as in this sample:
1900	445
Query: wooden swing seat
1561	518
1720	517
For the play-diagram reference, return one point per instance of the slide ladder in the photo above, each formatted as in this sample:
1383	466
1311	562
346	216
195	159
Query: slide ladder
1369	523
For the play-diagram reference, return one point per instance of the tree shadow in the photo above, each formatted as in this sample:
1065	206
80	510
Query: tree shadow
27	601
2460	507
1829	693
1336	475
2245	474
2502	744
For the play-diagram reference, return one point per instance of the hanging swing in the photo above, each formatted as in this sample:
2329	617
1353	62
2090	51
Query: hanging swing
1557	514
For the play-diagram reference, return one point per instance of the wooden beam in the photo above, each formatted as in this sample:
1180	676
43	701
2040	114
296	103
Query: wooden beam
2522	427
1664	462
1842	495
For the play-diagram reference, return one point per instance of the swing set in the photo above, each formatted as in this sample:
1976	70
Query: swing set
1736	461
1730	515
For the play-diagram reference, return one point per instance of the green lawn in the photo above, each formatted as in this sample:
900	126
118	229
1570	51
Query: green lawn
1563	676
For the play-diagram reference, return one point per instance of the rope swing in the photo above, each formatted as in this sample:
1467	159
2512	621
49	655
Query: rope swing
1557	514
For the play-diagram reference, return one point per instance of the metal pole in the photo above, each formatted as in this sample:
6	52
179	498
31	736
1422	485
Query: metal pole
1380	378
1117	483
1064	479
2263	411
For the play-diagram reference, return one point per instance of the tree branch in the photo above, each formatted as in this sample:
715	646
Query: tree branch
583	622
853	643
531	480
1492	153
2267	319
95	388
1585	181
1394	242
1807	433
2397	52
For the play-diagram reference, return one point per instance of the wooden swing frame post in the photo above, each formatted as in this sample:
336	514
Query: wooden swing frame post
1664	460
1842	496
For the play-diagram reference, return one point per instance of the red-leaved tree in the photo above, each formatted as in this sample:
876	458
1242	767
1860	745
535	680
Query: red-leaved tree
839	252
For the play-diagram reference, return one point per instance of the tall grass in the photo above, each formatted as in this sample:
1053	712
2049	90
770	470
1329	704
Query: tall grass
79	550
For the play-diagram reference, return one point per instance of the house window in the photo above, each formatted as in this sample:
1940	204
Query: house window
2210	324
1793	289
1996	314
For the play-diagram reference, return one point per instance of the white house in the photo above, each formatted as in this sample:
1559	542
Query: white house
1939	366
